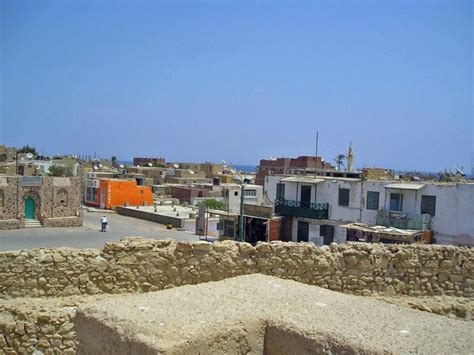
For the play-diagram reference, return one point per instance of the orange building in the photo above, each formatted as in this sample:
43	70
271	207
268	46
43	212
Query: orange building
105	193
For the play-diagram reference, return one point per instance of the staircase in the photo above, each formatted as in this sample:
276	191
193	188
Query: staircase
32	223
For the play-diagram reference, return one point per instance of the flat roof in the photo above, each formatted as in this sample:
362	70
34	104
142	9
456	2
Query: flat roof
307	180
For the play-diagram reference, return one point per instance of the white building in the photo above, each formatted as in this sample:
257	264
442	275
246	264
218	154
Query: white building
230	195
317	207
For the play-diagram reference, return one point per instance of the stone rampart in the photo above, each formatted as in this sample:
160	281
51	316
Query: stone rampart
140	265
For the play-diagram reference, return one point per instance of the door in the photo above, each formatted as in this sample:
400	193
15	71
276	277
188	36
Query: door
327	232
102	198
305	196
303	231
396	202
29	208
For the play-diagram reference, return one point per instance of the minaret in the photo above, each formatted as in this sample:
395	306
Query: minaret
349	158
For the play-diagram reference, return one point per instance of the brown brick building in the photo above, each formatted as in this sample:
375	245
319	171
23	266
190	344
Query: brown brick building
144	161
288	166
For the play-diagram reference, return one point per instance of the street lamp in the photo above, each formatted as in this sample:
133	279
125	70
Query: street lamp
241	222
241	229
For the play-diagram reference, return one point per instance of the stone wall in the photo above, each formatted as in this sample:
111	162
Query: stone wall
9	224
135	265
63	221
48	328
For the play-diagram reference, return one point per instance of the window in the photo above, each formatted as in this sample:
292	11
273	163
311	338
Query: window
236	193
280	193
2	199
250	193
396	202
344	197
372	202
327	232
92	194
428	204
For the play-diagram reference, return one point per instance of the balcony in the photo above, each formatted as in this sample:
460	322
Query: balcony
403	220
305	210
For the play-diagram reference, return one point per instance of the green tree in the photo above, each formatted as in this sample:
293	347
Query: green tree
114	160
339	160
59	170
214	204
28	149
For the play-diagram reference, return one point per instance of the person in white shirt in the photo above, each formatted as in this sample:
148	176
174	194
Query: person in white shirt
103	221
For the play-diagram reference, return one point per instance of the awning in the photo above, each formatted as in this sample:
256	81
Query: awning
302	180
405	186
382	229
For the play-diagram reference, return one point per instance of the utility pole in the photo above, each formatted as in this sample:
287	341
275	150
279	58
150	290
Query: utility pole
241	229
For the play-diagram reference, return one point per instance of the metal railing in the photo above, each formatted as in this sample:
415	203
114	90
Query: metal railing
302	209
403	220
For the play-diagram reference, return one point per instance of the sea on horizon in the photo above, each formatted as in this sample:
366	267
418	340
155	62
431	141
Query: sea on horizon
241	168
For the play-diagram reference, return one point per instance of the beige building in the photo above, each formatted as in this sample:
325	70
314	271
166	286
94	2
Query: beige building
7	153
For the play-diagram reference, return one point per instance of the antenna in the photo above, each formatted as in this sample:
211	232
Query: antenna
316	159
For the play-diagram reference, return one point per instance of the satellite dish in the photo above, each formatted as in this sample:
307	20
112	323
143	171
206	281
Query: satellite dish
95	167
238	178
121	166
150	164
460	171
29	155
191	172
176	165
138	165
100	165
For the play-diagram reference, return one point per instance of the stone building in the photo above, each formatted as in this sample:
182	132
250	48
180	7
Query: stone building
7	153
39	201
289	166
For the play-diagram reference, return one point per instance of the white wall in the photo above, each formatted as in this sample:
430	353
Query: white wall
271	182
314	229
233	198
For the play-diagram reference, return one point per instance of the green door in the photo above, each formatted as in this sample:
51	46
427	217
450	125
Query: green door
29	208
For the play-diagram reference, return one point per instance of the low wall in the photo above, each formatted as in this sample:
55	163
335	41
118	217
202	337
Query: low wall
48	328
135	265
153	217
75	221
9	224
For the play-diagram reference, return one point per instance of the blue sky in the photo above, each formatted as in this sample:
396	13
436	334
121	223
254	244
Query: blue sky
241	80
